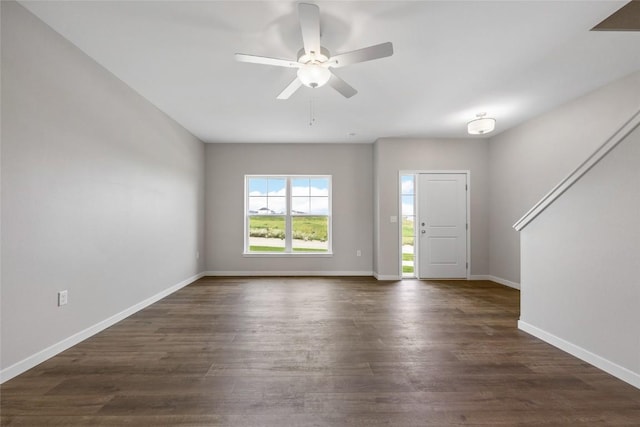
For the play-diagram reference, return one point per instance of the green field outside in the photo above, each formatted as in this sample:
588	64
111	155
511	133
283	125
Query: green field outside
266	249
304	227
281	249
407	232
310	228
271	227
407	269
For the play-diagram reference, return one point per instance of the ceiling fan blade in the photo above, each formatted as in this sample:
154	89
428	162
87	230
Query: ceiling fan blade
361	55
309	15
289	90
341	86
241	57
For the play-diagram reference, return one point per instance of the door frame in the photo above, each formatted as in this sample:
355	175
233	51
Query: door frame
416	248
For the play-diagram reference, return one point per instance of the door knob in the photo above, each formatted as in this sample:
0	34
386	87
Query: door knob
423	231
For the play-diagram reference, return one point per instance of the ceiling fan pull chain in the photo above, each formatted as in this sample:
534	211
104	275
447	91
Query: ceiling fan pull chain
312	116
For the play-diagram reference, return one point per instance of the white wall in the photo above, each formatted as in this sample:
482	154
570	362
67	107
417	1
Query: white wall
102	194
393	155
351	168
581	266
529	160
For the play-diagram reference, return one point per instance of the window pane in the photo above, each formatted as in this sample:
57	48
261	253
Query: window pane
319	186
266	233
277	205
310	233
408	230
300	187
408	248
277	187
275	190
319	205
257	187
407	184
256	204
407	205
299	205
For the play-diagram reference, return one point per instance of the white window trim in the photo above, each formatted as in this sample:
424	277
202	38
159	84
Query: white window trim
288	253
400	222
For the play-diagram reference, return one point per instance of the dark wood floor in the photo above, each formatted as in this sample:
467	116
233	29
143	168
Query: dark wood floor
316	352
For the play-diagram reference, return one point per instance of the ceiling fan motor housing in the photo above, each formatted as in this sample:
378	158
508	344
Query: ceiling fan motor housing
317	57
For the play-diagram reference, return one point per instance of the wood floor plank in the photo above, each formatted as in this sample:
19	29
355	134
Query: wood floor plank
314	351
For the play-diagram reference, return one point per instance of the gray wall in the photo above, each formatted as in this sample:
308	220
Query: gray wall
351	168
529	160
393	155
581	263
102	194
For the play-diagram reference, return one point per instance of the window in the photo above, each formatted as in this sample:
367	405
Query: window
288	214
407	201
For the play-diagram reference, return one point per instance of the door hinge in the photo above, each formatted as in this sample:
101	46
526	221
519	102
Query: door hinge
467	266
467	226
466	187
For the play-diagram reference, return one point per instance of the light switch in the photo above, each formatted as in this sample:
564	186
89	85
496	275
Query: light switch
393	219
63	298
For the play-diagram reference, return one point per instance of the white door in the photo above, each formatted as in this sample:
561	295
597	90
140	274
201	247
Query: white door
442	225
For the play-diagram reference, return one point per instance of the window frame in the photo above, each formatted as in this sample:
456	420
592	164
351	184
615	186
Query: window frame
288	216
413	214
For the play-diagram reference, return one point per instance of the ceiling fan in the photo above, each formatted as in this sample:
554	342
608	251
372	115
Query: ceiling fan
314	61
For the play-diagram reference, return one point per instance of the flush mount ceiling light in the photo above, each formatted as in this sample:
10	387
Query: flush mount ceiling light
481	125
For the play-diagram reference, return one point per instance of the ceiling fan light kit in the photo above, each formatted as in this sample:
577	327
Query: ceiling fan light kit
314	61
313	75
481	125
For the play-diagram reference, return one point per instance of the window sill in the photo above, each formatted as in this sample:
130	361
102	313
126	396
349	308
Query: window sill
287	255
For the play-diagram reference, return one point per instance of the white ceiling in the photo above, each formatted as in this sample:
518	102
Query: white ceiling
453	59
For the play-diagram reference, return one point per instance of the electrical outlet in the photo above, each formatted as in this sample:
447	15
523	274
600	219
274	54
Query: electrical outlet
358	252
63	298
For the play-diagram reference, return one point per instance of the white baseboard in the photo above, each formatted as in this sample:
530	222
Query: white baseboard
386	276
288	273
612	368
496	279
39	357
